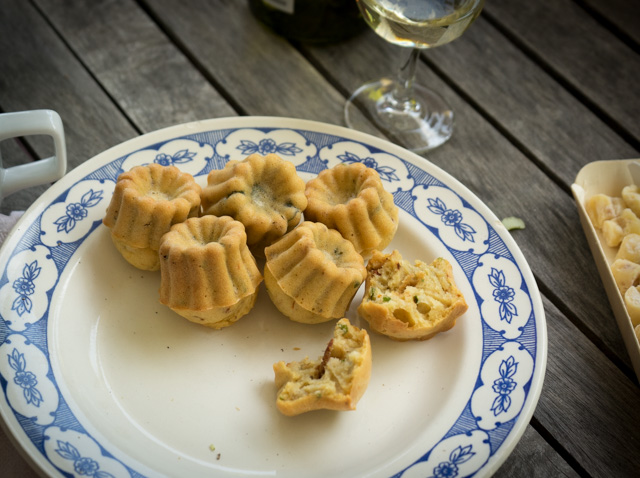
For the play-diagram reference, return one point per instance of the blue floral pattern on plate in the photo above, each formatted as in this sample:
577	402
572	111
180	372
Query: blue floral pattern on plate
451	218
77	454
24	378
392	170
77	211
505	374
181	157
506	304
25	287
455	456
504	385
29	389
32	265
291	145
189	155
82	465
77	214
24	295
504	295
449	468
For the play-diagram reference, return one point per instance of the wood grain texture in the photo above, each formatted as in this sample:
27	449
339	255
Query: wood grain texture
533	457
587	404
482	159
131	58
13	464
623	14
262	71
39	71
580	50
515	93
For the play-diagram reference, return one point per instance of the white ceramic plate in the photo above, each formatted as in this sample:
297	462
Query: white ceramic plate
99	379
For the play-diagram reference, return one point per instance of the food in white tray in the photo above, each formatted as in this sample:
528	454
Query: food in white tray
617	219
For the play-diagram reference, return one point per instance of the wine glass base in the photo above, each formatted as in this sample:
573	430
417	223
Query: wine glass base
421	125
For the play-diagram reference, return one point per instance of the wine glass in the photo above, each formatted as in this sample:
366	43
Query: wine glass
410	114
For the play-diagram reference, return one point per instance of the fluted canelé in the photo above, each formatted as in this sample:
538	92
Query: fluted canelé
351	199
207	273
262	192
146	202
312	273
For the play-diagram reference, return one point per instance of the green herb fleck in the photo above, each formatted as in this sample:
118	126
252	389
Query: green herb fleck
344	329
386	299
356	284
318	394
512	223
372	293
415	299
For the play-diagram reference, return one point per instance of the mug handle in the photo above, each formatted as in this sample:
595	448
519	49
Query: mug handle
25	123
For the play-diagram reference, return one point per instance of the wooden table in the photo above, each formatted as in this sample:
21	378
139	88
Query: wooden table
539	90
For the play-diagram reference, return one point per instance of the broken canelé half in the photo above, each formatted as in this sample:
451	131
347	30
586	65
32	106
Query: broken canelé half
410	301
336	381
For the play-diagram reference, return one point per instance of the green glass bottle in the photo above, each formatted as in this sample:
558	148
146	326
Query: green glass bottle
310	21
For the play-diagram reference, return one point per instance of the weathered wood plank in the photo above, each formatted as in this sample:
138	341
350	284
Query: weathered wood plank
546	120
533	457
13	465
144	73
599	427
261	71
35	77
623	14
481	158
585	54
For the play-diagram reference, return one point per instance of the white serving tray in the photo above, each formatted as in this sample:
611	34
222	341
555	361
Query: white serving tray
607	177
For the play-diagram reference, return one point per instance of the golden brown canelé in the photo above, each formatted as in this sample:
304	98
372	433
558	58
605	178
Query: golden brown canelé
410	301
312	273
351	199
262	192
336	381
146	202
207	273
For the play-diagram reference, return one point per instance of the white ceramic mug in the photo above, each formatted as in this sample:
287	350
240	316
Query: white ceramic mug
26	123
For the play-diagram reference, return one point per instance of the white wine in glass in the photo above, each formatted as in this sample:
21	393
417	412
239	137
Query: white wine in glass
415	116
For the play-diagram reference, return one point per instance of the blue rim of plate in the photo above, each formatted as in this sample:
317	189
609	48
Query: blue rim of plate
514	345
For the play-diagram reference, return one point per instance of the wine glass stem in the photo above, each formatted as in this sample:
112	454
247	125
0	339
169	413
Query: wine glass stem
404	90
